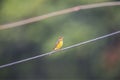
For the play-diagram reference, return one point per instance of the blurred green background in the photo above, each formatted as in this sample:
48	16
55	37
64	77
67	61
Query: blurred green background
99	60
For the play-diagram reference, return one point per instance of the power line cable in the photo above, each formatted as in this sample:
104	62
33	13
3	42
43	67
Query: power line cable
52	52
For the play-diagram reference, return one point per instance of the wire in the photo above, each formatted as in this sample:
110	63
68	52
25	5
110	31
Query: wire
52	52
56	13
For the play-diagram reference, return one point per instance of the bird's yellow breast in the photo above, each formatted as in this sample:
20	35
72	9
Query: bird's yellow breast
59	45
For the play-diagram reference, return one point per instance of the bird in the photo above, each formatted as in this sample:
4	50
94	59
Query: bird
59	43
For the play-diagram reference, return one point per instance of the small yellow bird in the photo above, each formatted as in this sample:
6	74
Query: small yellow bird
59	43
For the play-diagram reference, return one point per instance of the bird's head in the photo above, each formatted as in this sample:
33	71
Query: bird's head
60	38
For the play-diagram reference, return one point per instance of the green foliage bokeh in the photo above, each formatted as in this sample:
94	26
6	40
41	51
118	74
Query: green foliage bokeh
79	63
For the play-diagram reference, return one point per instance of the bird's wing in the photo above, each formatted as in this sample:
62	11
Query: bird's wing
56	44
